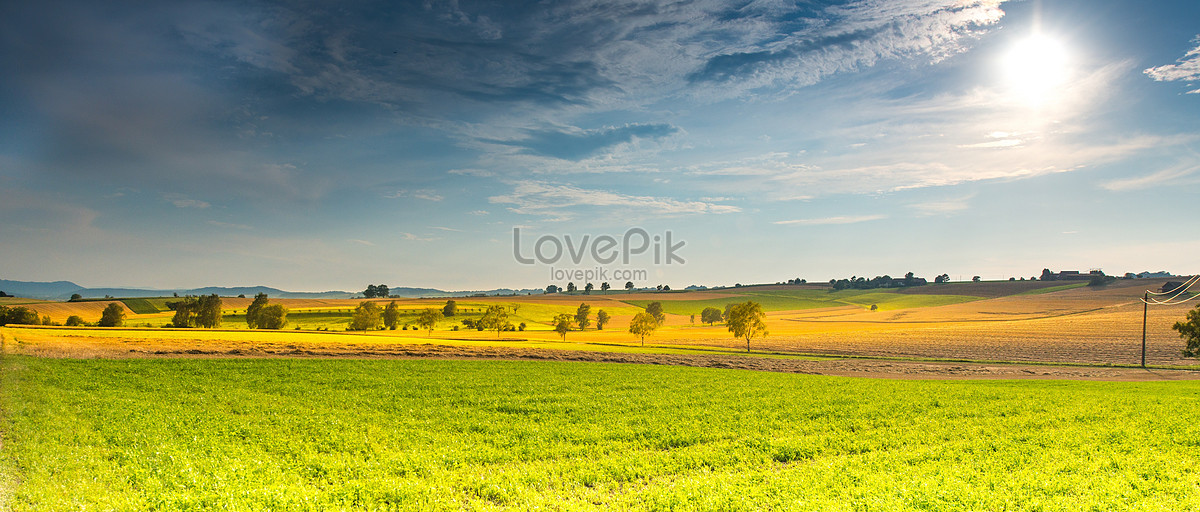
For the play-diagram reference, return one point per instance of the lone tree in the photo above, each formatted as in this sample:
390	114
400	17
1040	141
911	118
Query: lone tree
272	316
581	316
208	311
112	316
1189	330
376	291
365	317
710	316
587	289
74	321
604	287
185	312
391	315
628	285
428	319
562	324
494	319
746	320
570	287
642	325
655	310
450	309
75	297
255	307
601	319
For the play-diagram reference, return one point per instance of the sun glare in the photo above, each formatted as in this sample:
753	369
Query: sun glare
1036	68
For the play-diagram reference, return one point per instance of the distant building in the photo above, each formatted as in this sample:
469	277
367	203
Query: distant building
1154	275
1170	286
1071	275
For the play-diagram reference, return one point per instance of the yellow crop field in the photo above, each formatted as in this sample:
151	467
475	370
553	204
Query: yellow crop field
1092	325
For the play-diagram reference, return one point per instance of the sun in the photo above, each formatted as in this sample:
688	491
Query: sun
1036	69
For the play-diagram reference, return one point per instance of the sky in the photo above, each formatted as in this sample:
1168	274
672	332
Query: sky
316	146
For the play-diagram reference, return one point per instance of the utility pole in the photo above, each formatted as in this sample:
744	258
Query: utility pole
1145	307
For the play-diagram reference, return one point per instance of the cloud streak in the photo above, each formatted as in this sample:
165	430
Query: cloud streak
560	202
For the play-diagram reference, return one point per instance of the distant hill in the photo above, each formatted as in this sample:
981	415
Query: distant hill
62	290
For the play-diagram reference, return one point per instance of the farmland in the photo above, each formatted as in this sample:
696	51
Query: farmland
313	417
287	434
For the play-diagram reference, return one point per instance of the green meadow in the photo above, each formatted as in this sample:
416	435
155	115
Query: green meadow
295	434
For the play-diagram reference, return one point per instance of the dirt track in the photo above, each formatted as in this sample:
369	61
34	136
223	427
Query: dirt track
850	367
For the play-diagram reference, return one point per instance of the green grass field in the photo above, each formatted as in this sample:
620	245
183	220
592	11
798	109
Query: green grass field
788	300
143	306
289	434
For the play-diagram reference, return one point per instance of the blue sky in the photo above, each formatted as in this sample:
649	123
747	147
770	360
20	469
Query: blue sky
326	145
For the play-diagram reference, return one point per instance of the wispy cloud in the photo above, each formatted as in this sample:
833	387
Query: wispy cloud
1186	68
945	207
181	201
852	219
576	144
558	201
426	194
229	225
415	238
361	242
1160	178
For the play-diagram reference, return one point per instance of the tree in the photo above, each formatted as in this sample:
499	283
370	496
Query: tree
642	325
604	287
747	320
601	319
655	310
710	315
909	279
975	279
570	287
112	316
551	289
19	315
494	319
74	321
944	278
208	311
562	324
628	285
587	289
272	316
365	317
185	312
75	297
581	316
428	319
1047	275
450	309
1189	330
376	291
391	315
666	288
255	307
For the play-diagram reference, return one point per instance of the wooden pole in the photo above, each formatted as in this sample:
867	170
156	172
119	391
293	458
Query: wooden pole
1145	307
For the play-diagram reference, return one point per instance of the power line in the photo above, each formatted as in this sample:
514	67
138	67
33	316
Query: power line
1176	293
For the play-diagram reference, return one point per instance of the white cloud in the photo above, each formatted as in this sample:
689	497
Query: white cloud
181	201
426	194
410	236
555	201
1186	68
945	207
1163	177
230	225
361	242
852	219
